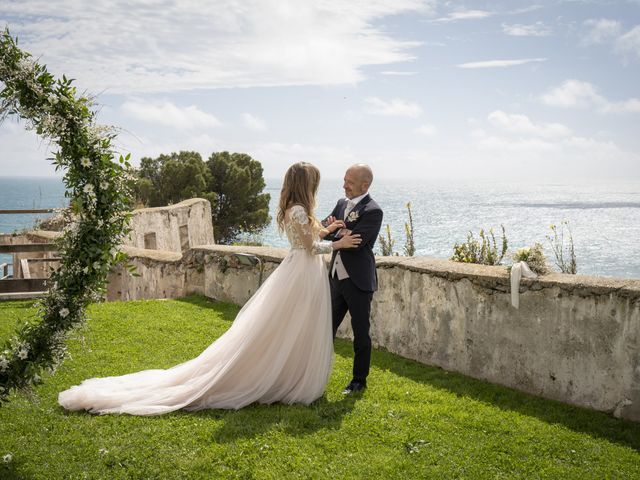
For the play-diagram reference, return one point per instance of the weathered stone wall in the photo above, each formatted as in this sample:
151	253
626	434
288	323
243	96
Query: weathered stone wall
574	338
226	279
211	270
161	274
174	228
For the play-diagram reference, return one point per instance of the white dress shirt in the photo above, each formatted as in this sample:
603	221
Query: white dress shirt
338	267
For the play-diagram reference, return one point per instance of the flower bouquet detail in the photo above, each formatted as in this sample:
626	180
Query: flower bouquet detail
529	262
534	257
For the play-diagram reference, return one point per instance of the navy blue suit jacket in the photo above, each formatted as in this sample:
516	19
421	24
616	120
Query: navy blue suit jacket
365	219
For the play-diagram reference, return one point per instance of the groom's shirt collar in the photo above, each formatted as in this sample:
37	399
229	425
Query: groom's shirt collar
356	200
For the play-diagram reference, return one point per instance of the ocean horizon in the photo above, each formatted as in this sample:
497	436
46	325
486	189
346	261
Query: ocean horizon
604	216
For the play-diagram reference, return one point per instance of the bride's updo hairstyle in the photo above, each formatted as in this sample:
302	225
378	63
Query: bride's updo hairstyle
299	188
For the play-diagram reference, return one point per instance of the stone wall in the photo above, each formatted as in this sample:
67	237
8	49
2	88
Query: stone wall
174	228
159	238
574	338
161	274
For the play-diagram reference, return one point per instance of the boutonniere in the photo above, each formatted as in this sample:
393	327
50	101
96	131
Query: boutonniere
353	216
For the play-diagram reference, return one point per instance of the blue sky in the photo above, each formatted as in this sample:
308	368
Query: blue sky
418	89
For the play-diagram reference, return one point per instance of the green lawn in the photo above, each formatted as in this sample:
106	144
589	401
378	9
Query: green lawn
413	421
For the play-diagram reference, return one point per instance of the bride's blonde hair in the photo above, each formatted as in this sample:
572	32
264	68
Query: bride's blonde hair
299	188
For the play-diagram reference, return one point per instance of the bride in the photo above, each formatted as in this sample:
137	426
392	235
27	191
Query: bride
278	349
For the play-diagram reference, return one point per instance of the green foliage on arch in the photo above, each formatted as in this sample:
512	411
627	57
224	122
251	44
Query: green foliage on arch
96	181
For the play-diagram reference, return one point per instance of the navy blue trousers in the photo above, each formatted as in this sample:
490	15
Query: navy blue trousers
345	296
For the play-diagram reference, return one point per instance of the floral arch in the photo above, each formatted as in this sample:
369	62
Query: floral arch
97	184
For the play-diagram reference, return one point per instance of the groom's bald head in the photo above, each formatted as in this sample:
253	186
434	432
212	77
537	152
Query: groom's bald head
364	172
357	180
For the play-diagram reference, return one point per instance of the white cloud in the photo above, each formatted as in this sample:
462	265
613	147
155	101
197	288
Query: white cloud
537	29
572	93
24	153
571	155
397	73
169	114
427	130
522	125
629	43
500	63
126	47
276	157
515	143
530	8
530	146
628	106
253	123
464	15
600	31
579	94
397	107
153	143
604	31
476	14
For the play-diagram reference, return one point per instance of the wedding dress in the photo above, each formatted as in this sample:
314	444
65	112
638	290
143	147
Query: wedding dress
278	349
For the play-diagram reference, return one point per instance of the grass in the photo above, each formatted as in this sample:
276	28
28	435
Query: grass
412	422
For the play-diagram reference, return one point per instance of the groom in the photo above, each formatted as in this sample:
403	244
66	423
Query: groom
352	272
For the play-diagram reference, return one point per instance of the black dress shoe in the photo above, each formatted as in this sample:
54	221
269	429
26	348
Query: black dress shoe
354	387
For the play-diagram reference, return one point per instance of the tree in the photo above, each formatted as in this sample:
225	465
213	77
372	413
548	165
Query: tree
172	178
241	207
233	184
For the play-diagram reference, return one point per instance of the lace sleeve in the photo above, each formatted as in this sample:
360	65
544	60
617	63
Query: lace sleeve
299	215
305	231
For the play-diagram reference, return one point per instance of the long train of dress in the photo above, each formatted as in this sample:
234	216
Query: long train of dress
279	348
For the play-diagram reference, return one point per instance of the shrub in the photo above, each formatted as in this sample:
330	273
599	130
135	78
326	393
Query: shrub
483	250
556	239
386	244
409	245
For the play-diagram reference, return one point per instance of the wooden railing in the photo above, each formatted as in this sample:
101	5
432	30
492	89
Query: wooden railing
26	285
27	282
33	210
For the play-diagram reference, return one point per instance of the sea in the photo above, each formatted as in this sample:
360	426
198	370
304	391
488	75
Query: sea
603	216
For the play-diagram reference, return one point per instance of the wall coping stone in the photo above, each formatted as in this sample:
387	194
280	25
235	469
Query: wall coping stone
175	206
490	277
159	255
43	235
270	254
485	275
